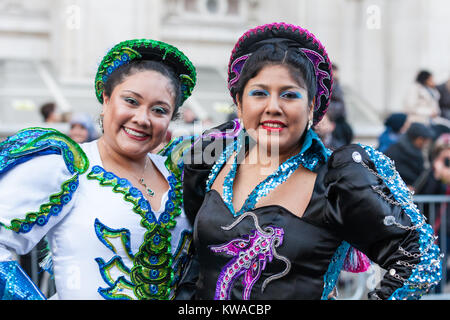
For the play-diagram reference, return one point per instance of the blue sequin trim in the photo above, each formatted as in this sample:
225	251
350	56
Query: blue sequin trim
312	154
334	269
180	258
103	232
120	290
32	142
52	208
428	272
154	257
134	195
117	288
105	268
15	284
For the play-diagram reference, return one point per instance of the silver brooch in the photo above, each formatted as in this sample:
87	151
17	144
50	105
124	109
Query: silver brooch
389	220
356	157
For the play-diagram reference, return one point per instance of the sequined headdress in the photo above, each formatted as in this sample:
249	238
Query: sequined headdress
146	49
292	36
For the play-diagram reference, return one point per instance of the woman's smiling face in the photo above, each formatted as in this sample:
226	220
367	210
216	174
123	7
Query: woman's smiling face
274	109
137	113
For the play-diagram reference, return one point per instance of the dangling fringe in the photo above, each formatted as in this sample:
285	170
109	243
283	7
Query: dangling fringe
46	263
356	261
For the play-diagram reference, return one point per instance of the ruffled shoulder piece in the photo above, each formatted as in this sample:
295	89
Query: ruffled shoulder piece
33	142
426	273
186	149
174	151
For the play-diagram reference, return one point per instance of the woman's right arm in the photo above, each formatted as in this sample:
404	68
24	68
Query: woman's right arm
39	171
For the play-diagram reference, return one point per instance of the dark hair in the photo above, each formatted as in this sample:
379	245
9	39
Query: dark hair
417	129
396	121
299	66
119	75
47	109
423	76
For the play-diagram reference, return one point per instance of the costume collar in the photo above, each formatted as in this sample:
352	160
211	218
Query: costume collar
314	151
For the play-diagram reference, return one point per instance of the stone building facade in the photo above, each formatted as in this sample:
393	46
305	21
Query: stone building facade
49	49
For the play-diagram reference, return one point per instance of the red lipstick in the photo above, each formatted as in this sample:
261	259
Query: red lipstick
142	136
273	125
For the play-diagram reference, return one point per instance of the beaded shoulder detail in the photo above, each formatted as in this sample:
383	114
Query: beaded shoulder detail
32	142
174	151
427	272
152	274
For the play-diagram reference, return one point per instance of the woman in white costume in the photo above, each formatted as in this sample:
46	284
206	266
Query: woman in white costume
111	210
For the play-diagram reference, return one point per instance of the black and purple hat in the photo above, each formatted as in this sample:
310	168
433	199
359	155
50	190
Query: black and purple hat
292	36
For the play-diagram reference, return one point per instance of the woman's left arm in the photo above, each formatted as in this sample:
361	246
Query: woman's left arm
373	210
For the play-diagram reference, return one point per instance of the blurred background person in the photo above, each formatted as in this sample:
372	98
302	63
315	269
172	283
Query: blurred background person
395	125
337	103
421	101
436	181
343	132
437	177
324	130
408	152
49	112
189	116
444	99
82	128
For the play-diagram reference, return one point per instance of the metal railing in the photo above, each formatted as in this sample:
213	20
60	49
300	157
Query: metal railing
435	208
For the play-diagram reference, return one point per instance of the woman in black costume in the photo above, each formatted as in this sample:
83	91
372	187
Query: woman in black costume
277	215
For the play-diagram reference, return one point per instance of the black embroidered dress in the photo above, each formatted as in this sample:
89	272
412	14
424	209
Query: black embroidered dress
358	201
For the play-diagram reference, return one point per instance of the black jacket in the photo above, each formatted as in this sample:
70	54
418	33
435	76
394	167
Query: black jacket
351	203
408	159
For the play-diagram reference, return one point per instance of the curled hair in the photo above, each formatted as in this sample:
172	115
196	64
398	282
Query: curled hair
299	66
119	75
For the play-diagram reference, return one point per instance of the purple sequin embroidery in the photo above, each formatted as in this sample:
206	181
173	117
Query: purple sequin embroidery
317	59
250	256
236	68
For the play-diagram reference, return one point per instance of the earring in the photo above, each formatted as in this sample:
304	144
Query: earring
310	123
100	122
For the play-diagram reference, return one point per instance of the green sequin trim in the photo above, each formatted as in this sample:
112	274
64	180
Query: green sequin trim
74	156
152	273
174	152
121	290
53	207
114	263
127	51
30	142
104	233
